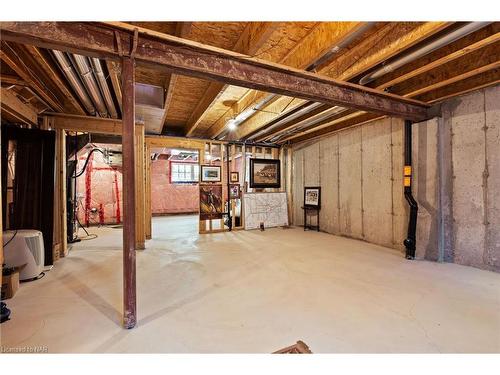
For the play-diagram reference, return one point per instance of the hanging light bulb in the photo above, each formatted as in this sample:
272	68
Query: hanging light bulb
231	124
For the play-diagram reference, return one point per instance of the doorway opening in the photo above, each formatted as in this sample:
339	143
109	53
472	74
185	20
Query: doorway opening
174	192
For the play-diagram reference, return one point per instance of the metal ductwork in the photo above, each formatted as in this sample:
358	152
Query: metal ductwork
74	81
438	43
321	60
428	48
90	83
333	111
103	85
249	112
288	118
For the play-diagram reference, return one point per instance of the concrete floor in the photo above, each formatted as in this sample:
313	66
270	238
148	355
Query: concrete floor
252	291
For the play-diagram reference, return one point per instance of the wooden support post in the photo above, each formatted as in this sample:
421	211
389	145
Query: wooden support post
223	171
288	151
232	162
275	154
147	209
61	216
140	203
1	214
202	226
254	155
128	188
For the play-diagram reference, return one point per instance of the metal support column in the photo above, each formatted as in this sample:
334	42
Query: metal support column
128	189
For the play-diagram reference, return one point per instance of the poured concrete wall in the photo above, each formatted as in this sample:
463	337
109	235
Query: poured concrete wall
360	174
476	178
425	187
456	181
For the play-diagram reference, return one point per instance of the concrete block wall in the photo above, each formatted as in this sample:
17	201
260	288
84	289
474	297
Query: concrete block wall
456	181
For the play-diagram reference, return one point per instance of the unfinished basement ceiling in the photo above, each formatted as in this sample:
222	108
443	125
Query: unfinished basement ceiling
195	107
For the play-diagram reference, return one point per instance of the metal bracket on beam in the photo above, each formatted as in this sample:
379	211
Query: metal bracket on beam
118	43
134	42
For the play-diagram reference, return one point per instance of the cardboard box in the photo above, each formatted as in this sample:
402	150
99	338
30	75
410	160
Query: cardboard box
10	285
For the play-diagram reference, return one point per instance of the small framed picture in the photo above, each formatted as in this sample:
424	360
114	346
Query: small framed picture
235	177
312	197
210	173
234	191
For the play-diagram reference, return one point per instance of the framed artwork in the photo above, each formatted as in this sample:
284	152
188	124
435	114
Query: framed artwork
235	177
234	191
312	197
210	202
210	173
265	173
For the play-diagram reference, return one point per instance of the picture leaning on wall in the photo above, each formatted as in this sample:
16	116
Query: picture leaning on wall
210	202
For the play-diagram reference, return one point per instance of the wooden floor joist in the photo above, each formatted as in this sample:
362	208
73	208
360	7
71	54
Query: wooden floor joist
390	40
322	39
13	80
446	59
182	30
15	107
202	61
70	102
11	57
253	37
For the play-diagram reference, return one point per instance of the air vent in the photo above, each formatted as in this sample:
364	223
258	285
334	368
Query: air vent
34	245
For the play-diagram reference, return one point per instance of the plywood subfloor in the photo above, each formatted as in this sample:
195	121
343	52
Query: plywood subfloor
252	291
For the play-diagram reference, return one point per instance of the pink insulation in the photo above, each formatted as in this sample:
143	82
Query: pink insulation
167	198
99	191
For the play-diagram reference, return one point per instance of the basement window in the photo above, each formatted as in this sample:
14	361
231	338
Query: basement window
184	173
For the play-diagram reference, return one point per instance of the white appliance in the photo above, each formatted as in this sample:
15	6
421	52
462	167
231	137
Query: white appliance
24	247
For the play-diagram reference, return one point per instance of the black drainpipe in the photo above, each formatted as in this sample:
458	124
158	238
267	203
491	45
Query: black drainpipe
411	240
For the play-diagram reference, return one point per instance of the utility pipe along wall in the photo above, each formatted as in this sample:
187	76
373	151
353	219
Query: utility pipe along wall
360	171
411	239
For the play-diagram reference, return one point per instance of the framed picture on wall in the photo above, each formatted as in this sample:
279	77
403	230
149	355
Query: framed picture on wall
312	197
234	191
265	173
235	177
210	173
210	202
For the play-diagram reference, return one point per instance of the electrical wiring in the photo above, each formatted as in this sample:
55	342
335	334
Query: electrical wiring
86	162
9	241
